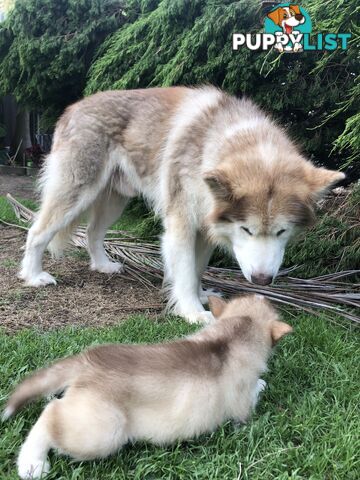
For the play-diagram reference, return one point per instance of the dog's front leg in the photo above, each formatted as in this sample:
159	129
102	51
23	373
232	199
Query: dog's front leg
181	276
245	406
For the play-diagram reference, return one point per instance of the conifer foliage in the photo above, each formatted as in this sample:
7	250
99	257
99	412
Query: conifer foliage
175	42
47	47
53	51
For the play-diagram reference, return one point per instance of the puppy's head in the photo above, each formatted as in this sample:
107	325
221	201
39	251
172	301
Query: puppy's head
250	318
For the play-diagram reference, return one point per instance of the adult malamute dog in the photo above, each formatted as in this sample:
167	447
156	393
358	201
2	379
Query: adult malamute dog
215	168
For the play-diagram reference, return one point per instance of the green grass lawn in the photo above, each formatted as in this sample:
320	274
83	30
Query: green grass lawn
306	425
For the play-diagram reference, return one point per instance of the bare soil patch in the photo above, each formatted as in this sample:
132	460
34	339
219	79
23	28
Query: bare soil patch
81	297
20	186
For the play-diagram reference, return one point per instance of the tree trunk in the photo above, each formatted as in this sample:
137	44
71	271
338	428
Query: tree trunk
22	138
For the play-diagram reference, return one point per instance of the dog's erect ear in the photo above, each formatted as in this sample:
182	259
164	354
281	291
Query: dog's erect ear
216	305
219	184
296	9
275	16
278	330
320	180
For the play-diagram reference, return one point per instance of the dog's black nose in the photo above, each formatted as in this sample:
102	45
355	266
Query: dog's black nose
261	279
299	17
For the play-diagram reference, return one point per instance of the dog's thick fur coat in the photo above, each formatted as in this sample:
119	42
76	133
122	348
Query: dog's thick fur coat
215	168
160	393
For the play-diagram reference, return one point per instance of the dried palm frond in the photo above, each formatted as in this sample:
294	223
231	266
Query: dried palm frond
143	261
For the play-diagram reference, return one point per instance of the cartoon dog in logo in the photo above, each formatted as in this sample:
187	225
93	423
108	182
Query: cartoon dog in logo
287	18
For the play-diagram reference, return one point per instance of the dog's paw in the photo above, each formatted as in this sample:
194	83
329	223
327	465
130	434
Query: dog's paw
199	317
108	267
32	468
260	387
208	292
238	424
298	47
40	280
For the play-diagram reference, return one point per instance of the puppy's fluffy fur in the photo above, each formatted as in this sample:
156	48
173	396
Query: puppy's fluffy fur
161	393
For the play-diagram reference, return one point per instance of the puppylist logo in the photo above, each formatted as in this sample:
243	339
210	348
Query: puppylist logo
287	28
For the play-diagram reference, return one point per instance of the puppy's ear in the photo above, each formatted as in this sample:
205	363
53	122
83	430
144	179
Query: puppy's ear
216	305
275	16
296	9
320	179
278	330
219	184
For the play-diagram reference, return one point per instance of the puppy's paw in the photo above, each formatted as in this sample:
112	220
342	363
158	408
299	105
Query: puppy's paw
32	468
238	424
260	386
40	280
108	267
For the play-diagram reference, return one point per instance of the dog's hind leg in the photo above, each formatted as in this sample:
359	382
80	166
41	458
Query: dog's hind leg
81	425
104	212
61	207
85	426
32	461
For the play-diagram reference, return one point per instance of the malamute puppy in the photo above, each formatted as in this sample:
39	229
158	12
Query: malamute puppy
215	168
159	393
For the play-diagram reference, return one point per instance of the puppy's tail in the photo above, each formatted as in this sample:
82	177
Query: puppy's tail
44	382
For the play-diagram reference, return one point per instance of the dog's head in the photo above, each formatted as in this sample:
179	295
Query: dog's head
250	317
258	206
287	17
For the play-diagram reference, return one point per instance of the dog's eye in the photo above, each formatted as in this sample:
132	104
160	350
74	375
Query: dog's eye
285	16
246	230
280	232
225	219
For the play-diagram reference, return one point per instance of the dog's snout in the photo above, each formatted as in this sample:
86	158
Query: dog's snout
261	279
299	17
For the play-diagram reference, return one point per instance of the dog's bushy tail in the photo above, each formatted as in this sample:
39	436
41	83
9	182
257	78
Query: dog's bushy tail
44	382
52	186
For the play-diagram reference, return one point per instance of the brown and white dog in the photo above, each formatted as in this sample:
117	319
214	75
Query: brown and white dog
159	393
215	168
288	18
